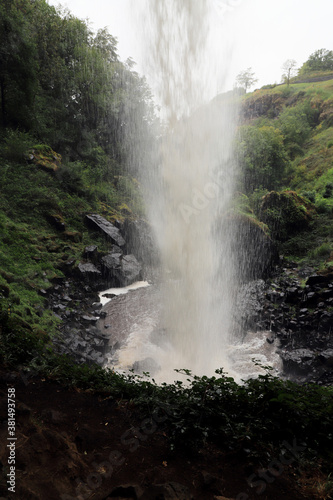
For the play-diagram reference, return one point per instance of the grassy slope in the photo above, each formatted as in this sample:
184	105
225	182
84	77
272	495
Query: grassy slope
311	172
33	250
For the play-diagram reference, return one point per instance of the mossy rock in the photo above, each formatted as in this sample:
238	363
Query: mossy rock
125	210
286	213
44	157
254	252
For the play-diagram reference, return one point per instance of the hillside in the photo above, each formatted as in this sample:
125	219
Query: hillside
292	129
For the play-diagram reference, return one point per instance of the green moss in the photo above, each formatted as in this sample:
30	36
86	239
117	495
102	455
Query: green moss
43	156
286	213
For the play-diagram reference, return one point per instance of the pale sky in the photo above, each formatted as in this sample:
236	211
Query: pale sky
261	34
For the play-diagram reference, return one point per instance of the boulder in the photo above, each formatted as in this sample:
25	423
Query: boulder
130	270
110	231
298	360
90	252
111	261
326	357
146	365
121	270
88	271
320	279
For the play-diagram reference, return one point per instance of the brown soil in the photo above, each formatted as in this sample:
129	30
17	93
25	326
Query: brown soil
80	445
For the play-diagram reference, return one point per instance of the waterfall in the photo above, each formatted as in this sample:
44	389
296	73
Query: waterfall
192	182
191	317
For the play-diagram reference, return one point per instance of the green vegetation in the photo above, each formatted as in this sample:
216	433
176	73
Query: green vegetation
68	111
320	60
296	158
253	418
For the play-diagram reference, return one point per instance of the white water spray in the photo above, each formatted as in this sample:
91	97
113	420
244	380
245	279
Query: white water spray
187	320
193	184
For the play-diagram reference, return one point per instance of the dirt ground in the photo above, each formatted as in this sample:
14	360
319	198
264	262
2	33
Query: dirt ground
79	445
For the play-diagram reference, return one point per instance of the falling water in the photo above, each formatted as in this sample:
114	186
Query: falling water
193	186
189	189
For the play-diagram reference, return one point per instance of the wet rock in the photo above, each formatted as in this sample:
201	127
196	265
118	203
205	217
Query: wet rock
109	295
261	253
141	241
111	262
320	279
91	253
146	365
121	270
89	319
326	357
298	360
105	227
88	272
130	270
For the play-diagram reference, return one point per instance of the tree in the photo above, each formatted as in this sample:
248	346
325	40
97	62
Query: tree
320	60
262	157
246	79
18	69
289	70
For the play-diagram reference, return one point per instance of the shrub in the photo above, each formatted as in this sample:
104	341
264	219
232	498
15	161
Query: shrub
323	206
262	157
286	213
328	190
310	195
323	251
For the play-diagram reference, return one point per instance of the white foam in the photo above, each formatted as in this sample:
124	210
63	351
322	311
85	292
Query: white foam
121	290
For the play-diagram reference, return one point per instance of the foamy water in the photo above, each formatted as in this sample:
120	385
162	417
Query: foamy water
141	338
104	295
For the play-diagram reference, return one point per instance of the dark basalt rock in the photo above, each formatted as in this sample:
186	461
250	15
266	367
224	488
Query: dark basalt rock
88	272
111	262
121	270
105	227
130	269
91	253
